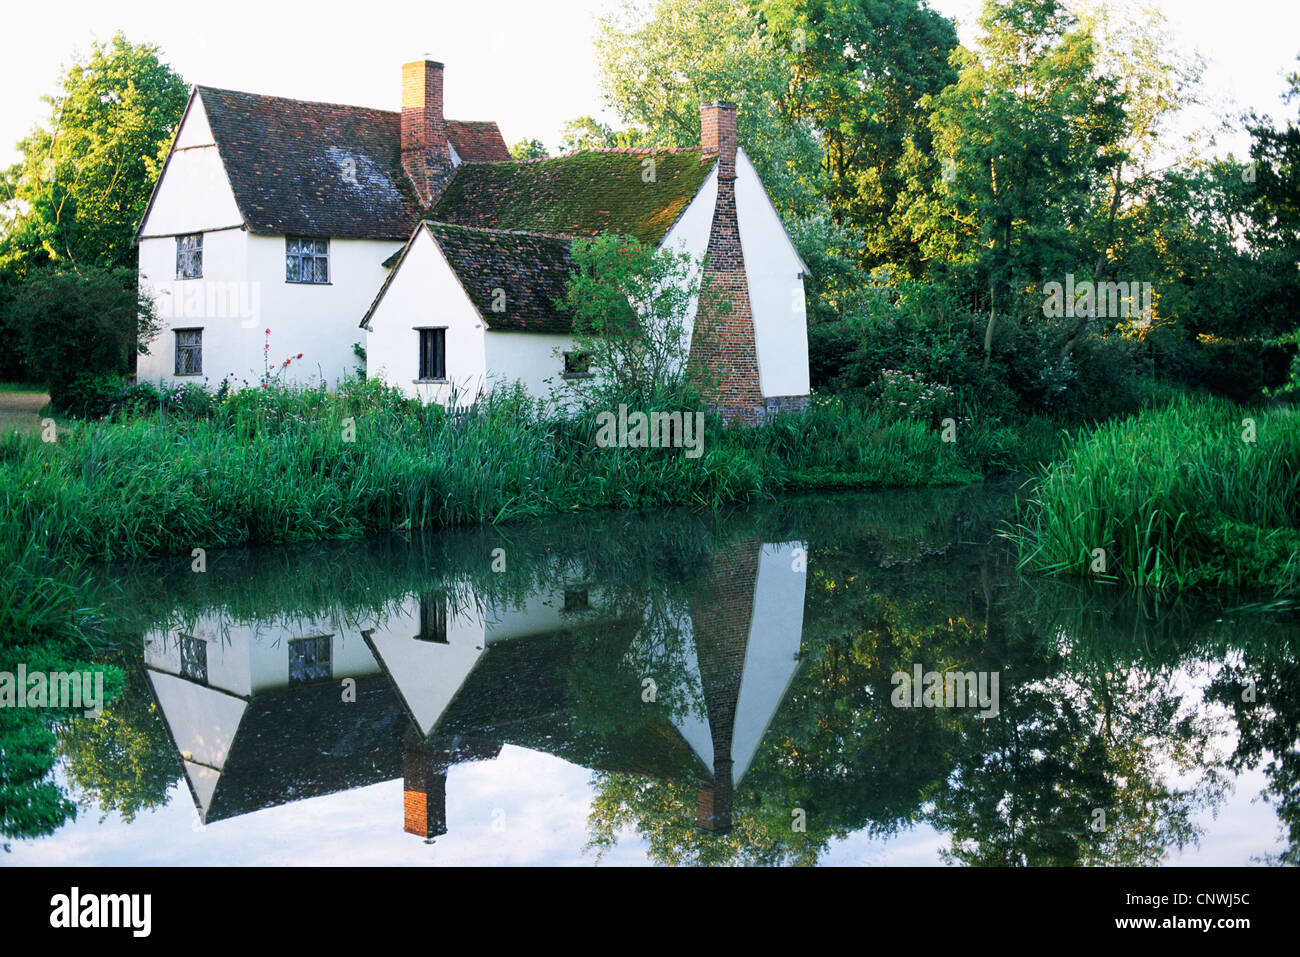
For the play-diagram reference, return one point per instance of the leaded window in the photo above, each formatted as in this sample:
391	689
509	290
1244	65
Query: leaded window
189	351
194	659
189	256
310	659
306	260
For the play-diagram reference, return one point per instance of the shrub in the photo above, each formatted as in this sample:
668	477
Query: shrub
90	395
83	320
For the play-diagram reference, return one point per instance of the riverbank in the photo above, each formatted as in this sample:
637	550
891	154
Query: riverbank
1199	493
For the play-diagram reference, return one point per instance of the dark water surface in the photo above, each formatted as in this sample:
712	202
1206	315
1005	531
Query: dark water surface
681	688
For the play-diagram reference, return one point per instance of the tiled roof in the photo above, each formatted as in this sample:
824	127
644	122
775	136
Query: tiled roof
579	194
320	169
531	270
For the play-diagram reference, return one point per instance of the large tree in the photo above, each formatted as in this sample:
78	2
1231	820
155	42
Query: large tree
81	186
860	71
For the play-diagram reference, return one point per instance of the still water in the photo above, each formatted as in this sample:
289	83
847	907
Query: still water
850	679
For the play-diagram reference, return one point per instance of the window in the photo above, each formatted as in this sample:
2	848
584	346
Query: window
189	256
433	354
306	260
194	659
577	364
310	660
576	599
189	351
433	618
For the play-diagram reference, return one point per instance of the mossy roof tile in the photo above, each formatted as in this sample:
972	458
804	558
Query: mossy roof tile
581	194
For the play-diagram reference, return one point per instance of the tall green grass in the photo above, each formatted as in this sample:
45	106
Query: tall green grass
1177	499
279	465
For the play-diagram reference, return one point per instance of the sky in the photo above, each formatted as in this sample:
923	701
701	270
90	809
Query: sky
529	65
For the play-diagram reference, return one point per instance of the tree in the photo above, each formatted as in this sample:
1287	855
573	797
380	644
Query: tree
81	320
630	305
1019	142
859	74
657	71
588	133
81	187
529	149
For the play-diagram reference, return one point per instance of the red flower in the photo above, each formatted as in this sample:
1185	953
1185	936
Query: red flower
300	355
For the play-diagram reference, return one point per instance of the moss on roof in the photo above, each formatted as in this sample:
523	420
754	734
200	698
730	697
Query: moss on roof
582	194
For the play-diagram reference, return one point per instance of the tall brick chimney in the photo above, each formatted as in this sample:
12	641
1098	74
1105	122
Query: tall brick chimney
722	613
718	134
723	340
424	787
426	154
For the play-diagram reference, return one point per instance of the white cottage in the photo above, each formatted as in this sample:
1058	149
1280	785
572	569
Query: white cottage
281	228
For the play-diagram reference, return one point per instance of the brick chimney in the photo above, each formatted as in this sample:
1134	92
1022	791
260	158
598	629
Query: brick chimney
426	154
718	134
723	340
424	787
722	613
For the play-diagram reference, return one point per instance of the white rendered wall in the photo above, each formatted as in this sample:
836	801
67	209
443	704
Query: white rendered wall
224	304
246	660
776	295
690	234
320	321
534	359
194	193
428	674
426	293
243	291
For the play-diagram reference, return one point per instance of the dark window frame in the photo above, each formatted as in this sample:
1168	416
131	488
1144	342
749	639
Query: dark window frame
318	255
433	618
577	600
577	365
189	256
431	354
196	348
311	659
194	658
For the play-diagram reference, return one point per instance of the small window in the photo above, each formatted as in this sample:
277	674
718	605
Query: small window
433	355
433	618
194	659
310	659
576	599
189	256
189	351
577	364
306	260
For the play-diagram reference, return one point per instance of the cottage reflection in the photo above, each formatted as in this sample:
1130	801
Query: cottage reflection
676	685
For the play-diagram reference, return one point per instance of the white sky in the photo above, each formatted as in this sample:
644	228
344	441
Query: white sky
528	64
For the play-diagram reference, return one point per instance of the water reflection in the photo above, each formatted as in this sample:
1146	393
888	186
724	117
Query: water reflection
726	680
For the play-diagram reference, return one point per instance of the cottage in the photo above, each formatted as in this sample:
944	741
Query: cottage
281	228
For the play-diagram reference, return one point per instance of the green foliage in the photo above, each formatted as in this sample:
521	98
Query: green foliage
857	73
85	177
588	133
630	305
1177	497
657	70
528	149
81	321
